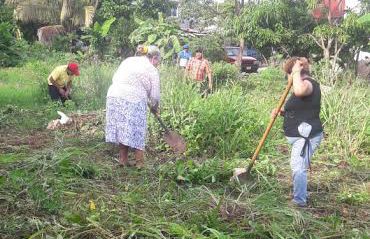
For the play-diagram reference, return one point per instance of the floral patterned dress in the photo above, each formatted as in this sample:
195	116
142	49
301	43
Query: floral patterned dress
135	82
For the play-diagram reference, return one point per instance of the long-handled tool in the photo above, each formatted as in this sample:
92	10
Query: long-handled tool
241	174
173	139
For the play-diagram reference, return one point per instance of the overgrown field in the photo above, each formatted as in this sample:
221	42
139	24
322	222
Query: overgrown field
66	183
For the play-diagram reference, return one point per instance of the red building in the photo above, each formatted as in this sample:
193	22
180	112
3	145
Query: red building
334	7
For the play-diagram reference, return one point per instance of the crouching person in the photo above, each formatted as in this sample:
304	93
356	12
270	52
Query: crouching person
60	81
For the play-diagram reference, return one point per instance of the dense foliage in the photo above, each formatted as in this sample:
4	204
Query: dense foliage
158	32
8	43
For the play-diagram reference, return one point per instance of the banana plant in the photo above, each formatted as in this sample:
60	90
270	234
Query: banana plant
160	33
97	35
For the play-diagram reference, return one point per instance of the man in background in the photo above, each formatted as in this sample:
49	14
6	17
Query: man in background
197	69
184	56
60	81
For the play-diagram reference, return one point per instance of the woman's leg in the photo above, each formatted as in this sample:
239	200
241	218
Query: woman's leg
123	154
139	157
299	166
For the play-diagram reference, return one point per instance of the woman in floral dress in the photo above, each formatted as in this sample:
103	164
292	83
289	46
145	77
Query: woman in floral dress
135	84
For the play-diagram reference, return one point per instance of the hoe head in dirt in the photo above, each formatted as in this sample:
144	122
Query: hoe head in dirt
175	141
241	175
172	138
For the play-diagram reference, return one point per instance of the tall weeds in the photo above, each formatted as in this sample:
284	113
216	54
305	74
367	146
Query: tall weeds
345	114
222	124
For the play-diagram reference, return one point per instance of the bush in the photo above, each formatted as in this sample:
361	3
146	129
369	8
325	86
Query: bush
8	47
223	73
8	42
212	46
223	124
64	42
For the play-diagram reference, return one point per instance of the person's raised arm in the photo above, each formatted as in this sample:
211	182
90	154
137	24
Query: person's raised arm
301	87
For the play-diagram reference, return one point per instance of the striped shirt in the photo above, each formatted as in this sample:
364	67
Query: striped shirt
198	68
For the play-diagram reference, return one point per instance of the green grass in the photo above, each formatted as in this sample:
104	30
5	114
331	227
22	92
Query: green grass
11	157
49	179
19	87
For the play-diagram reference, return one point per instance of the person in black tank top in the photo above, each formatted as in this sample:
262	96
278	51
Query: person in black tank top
302	124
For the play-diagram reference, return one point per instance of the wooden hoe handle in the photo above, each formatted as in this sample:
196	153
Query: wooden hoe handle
271	123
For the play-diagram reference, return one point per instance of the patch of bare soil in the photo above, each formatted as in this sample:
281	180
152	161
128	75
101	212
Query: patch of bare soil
88	124
34	140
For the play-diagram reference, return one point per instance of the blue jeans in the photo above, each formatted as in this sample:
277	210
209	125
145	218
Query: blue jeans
299	165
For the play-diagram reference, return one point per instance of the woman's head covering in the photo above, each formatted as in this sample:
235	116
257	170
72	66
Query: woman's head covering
141	50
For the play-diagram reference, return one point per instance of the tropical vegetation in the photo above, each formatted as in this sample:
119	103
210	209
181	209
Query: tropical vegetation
65	183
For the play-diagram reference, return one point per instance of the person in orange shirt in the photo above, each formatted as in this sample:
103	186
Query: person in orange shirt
198	68
60	81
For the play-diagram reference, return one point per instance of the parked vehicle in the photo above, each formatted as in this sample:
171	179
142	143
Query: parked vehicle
250	58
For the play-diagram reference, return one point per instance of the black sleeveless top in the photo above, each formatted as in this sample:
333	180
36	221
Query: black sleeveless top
303	109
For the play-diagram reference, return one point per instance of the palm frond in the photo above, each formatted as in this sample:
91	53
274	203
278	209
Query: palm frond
33	2
37	13
89	15
70	12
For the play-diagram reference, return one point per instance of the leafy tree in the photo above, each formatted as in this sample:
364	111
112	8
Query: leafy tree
273	23
158	32
331	35
97	36
212	46
237	27
8	42
200	14
125	11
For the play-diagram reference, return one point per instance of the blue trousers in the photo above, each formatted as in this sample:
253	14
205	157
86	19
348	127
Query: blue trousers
299	165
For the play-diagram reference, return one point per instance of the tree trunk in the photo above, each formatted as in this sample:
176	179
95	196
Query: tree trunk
238	8
327	53
329	13
240	56
95	8
66	14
